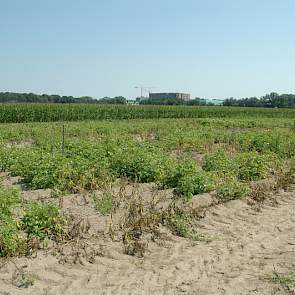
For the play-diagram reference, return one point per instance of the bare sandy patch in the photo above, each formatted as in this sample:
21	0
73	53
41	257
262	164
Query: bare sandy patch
145	136
246	246
26	143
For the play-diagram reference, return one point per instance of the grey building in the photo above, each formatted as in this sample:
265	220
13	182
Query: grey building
172	95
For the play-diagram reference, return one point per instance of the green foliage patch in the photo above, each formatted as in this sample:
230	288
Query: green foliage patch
188	179
104	203
220	162
43	221
9	199
11	241
140	164
232	189
253	166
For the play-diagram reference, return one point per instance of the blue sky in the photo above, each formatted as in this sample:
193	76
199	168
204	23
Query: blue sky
209	48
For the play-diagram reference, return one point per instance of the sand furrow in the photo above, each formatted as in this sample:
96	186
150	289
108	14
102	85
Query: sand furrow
247	247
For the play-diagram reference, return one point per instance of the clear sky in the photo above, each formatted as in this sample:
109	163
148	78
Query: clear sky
209	48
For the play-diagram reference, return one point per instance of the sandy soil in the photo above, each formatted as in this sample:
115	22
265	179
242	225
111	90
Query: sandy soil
247	245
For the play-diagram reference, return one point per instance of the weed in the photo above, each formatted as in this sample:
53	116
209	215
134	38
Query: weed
23	279
285	176
259	193
287	281
181	223
140	219
104	203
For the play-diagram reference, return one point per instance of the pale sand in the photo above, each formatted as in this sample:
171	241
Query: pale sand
247	246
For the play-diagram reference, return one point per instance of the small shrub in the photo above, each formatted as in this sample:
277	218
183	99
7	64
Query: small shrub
5	157
43	221
22	163
232	189
182	224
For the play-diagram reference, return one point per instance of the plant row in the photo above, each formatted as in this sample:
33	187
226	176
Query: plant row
19	113
90	168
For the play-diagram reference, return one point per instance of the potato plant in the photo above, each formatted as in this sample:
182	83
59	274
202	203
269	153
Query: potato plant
253	166
220	162
19	226
11	241
188	179
43	221
232	189
244	143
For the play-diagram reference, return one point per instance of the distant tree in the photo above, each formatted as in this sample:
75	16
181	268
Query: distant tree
272	100
197	101
113	100
44	98
120	99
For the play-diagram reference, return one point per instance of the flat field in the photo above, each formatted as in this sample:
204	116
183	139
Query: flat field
185	204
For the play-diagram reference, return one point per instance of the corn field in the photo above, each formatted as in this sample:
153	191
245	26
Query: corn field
19	113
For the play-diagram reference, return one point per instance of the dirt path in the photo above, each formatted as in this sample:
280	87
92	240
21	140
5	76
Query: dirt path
247	245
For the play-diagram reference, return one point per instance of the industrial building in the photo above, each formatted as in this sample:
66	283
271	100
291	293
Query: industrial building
181	96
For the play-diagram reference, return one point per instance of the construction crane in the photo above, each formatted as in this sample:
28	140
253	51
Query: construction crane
144	88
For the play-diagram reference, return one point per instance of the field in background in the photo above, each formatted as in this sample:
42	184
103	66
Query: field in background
20	113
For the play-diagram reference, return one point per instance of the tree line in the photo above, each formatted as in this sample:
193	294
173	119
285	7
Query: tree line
272	100
12	97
